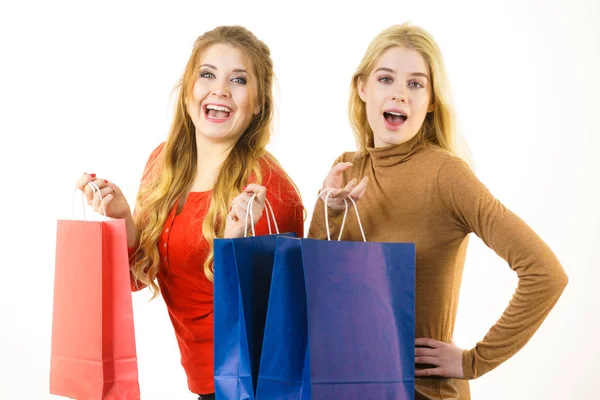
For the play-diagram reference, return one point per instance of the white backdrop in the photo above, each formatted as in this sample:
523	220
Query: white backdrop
85	87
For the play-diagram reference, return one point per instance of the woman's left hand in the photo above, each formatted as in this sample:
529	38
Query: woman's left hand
234	227
445	357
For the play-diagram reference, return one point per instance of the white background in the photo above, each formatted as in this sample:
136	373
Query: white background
86	87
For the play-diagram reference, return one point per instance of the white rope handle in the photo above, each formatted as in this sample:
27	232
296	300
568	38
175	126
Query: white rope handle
329	190
249	213
273	215
95	191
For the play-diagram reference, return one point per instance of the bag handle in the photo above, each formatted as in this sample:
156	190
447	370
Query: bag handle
95	190
329	191
249	213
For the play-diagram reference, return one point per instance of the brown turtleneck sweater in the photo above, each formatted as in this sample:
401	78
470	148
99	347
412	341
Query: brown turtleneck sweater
421	194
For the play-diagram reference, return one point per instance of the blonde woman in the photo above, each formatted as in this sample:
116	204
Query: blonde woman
414	187
197	184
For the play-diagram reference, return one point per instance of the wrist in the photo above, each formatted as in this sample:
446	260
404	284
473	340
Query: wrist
126	215
233	232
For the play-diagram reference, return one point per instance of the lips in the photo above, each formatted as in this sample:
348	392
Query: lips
394	118
217	113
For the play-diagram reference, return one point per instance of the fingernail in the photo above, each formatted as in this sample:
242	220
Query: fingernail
105	181
93	175
244	188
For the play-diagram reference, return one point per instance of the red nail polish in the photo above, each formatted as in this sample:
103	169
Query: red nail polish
93	175
105	181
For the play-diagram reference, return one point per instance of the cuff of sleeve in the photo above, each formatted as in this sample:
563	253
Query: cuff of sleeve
468	360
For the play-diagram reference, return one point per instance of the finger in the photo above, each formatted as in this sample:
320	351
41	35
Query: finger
83	180
101	183
88	191
426	351
338	169
107	199
240	212
106	191
427	360
429	372
242	201
111	185
232	215
91	191
427	342
260	191
351	185
343	193
359	191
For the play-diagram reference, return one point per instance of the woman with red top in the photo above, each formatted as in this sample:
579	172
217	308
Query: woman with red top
197	185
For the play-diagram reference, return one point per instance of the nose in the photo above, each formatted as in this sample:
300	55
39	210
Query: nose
400	93
221	88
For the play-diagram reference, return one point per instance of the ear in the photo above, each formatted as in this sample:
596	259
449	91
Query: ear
361	90
257	110
431	108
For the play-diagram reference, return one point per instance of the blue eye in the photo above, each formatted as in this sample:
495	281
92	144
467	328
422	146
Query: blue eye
385	79
240	80
207	75
415	84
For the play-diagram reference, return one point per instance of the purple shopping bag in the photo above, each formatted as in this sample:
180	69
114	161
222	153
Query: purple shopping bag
359	310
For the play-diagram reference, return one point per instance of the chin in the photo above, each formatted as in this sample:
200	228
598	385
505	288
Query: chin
393	138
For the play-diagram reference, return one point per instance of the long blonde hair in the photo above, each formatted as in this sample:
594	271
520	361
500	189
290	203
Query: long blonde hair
439	126
176	167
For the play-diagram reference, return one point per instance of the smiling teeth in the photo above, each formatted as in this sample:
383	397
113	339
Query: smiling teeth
396	114
217	108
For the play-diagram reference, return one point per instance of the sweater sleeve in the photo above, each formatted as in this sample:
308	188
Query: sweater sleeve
150	173
542	279
318	227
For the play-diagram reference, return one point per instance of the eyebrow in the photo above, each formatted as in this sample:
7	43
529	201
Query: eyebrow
216	69
391	71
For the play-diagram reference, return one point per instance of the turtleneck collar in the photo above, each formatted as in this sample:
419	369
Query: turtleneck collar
395	154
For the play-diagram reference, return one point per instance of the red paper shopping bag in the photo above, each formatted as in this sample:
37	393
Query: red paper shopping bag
93	342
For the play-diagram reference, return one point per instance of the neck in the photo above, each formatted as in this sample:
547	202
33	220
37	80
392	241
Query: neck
210	153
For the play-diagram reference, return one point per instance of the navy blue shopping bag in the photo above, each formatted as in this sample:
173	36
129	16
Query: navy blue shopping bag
340	322
284	370
361	319
242	278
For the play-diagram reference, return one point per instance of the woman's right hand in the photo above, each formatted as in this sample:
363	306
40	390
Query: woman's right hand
114	201
334	180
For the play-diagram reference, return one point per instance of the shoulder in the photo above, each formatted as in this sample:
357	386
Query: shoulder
156	155
445	164
157	152
276	179
349	156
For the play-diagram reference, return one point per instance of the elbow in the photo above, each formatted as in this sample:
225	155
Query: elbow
558	281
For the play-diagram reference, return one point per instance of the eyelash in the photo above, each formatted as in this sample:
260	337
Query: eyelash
387	79
209	75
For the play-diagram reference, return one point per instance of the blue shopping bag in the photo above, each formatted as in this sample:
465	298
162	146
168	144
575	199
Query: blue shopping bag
242	279
284	366
350	334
